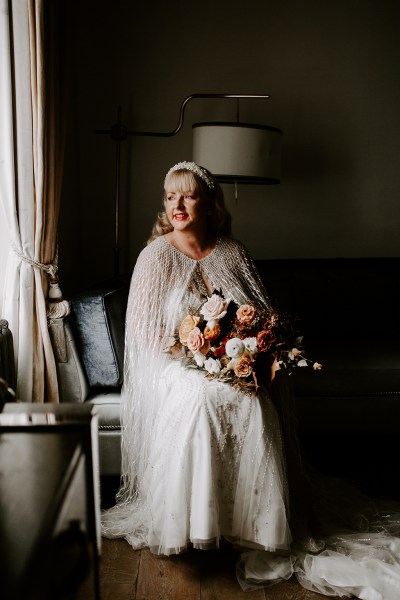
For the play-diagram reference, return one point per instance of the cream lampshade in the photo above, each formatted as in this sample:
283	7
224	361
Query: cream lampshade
238	152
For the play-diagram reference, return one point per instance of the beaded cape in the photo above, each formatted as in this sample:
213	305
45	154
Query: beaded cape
167	285
360	550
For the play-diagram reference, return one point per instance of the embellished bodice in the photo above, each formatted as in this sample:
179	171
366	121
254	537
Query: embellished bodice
167	285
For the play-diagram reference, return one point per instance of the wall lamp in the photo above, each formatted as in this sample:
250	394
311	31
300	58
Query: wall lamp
234	152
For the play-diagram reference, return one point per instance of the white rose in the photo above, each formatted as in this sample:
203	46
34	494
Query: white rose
234	348
250	344
212	366
214	308
199	358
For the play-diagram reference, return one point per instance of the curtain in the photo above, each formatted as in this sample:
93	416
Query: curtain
30	183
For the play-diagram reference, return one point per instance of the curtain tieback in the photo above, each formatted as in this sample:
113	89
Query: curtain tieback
57	307
51	268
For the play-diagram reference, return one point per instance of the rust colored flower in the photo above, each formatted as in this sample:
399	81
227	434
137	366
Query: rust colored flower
188	323
244	368
211	333
246	313
264	340
219	351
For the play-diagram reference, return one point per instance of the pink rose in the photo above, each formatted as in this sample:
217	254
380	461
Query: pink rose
195	340
246	313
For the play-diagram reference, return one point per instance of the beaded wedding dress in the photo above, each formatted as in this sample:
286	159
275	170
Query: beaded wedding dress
202	460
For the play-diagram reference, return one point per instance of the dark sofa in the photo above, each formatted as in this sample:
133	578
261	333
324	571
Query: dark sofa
349	313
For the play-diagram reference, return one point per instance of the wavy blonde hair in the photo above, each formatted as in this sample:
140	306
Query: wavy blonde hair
184	180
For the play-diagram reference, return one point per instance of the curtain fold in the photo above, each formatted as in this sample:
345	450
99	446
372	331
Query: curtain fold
30	180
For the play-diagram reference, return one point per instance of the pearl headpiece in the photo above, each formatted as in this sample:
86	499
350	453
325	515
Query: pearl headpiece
191	166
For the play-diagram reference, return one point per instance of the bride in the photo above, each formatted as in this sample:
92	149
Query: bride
201	459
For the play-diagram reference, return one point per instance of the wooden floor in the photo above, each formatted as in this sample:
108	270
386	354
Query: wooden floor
126	574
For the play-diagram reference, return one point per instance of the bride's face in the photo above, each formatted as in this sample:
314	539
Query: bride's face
185	210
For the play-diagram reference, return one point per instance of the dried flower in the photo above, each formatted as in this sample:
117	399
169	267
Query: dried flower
244	367
293	353
265	338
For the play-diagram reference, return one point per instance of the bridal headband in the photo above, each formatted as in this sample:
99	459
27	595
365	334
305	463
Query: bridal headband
191	166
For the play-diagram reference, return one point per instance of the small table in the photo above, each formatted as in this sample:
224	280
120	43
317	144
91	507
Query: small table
49	500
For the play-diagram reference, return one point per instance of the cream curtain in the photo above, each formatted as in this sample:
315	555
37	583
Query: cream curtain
30	181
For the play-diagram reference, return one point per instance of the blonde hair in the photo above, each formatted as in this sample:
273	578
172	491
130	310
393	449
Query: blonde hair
184	180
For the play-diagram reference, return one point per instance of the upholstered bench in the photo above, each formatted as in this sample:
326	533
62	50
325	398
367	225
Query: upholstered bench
349	314
93	369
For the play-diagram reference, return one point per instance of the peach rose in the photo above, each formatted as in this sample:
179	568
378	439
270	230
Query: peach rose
211	333
244	368
246	313
186	327
195	340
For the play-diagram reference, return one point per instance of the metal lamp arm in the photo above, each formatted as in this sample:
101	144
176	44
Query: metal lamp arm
119	132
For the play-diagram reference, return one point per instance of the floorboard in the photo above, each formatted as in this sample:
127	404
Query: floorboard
126	574
162	578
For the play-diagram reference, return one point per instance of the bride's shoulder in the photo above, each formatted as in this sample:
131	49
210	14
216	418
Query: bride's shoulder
155	249
233	245
154	256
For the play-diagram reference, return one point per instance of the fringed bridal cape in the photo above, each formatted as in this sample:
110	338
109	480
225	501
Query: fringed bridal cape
203	460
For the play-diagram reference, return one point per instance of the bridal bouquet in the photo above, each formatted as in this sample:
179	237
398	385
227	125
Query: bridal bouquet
239	344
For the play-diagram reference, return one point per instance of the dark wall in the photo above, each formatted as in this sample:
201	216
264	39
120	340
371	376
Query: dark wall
331	68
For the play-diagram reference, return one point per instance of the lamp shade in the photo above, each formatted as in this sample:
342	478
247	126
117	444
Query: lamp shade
238	152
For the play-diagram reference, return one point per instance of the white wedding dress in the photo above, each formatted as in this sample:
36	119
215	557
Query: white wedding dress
202	460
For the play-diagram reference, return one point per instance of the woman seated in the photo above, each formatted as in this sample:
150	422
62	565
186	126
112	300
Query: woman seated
203	458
